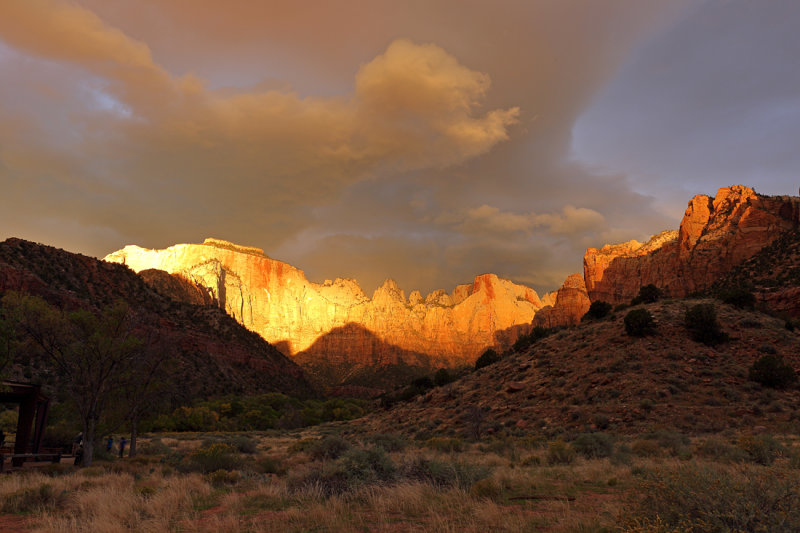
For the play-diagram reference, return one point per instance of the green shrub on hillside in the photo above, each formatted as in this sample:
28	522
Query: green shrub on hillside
525	341
442	377
647	295
701	321
594	445
738	297
487	358
772	372
598	310
639	323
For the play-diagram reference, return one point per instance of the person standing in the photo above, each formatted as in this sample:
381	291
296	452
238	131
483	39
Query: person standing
110	443
122	443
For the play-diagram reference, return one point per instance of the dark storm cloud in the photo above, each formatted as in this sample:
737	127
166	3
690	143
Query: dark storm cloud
425	141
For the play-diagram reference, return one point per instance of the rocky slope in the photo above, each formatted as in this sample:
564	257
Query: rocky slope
596	377
715	235
335	322
212	353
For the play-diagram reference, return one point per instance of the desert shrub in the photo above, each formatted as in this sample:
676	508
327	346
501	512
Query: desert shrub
154	446
390	442
701	321
738	297
719	449
677	443
560	453
422	384
212	458
371	465
302	445
705	497
645	448
761	449
330	479
647	295
330	447
639	323
442	377
270	464
487	358
486	489
523	342
444	473
771	371
447	445
601	421
221	478
33	500
243	443
598	310
594	445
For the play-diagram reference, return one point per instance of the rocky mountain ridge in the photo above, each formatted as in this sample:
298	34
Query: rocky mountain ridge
336	321
715	235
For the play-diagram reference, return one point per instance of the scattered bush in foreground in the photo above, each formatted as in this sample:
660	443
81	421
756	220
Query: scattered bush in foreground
697	497
594	445
701	321
598	310
329	448
212	458
639	323
772	372
487	358
761	449
444	473
560	453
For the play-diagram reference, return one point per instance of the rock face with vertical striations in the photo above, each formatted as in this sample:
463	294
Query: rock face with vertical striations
336	322
715	235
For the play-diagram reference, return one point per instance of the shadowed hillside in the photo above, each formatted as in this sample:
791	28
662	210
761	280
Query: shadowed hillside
595	376
214	354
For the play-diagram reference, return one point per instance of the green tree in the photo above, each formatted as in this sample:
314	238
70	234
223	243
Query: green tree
95	356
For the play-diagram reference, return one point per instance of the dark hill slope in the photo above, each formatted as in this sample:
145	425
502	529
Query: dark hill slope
212	352
773	274
594	376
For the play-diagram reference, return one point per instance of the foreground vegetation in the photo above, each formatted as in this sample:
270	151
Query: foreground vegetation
329	481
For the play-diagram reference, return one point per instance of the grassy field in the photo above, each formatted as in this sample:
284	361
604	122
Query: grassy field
317	480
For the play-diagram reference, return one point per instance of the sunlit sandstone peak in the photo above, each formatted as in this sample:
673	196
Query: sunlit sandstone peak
715	235
276	300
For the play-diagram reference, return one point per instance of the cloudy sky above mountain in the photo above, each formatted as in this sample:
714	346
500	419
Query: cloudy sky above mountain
428	141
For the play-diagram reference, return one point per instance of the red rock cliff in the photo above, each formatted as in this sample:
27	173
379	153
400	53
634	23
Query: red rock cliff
715	235
276	300
571	303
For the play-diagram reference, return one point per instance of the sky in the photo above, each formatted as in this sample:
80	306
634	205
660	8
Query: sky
424	141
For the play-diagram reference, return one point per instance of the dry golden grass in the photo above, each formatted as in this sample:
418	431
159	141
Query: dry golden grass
516	494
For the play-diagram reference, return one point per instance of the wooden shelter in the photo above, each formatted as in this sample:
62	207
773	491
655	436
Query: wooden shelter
33	408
